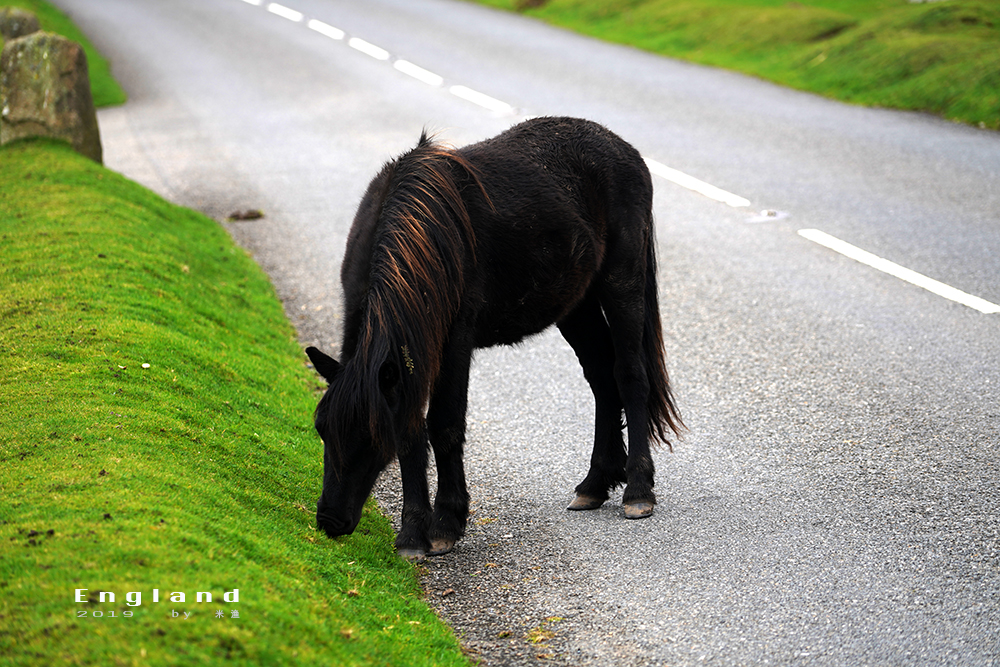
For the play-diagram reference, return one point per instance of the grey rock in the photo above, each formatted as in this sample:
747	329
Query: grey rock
45	92
16	22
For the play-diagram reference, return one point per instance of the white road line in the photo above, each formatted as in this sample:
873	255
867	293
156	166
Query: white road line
482	100
893	269
325	29
419	73
376	52
692	183
285	12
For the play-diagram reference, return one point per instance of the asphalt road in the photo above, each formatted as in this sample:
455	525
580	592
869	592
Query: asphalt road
836	501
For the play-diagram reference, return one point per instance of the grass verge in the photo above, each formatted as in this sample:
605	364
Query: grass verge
196	473
937	57
103	87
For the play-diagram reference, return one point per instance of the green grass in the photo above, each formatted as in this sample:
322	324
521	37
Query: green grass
196	473
105	89
940	57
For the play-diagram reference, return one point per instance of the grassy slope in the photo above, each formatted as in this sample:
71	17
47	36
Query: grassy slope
104	88
198	473
941	57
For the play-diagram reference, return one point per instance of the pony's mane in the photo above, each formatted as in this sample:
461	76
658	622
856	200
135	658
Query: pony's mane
423	240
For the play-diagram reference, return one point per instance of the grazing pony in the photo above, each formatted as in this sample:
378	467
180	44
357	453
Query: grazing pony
547	223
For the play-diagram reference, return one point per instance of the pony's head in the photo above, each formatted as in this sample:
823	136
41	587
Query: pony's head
359	420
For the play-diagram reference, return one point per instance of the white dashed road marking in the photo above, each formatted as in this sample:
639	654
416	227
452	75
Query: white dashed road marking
325	29
692	183
893	269
285	12
367	48
481	99
418	73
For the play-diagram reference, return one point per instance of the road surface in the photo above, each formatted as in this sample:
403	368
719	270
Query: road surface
836	500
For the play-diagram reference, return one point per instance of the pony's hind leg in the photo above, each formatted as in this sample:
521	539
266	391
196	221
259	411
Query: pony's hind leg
622	296
586	330
633	385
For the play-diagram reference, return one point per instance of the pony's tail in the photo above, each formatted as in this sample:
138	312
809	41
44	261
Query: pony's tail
662	413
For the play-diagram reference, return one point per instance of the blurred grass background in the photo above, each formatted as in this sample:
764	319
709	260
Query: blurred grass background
936	57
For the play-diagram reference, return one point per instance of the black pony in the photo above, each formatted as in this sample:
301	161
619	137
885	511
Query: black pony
548	223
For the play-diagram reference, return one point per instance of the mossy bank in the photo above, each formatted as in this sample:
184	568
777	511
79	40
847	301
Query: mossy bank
155	433
937	57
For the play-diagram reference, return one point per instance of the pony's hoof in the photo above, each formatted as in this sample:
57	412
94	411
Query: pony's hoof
582	502
411	554
638	510
441	547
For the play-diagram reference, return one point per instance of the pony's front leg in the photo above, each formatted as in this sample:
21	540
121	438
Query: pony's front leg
446	427
451	505
412	541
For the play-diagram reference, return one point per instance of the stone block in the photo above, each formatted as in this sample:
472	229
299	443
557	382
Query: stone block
45	92
16	22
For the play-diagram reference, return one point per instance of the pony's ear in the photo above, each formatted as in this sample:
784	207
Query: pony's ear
325	365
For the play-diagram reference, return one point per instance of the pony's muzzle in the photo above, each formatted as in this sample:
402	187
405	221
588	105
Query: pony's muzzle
335	526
